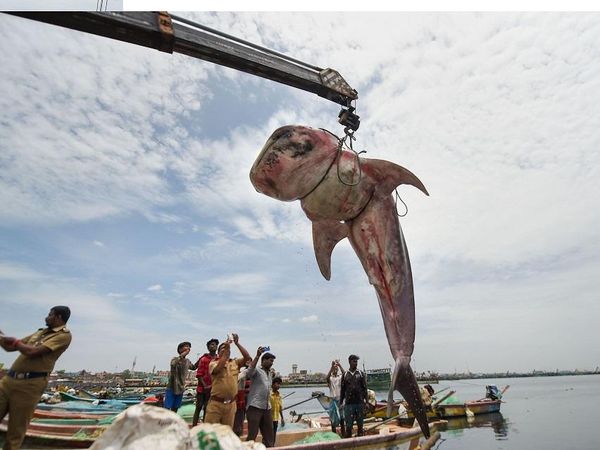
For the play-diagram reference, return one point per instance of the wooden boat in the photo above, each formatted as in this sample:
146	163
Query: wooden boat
66	397
469	408
55	438
379	379
47	414
384	437
472	407
98	421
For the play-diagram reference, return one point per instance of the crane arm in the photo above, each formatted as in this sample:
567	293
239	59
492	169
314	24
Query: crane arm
169	33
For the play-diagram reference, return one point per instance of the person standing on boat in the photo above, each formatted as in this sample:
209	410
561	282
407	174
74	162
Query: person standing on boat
334	381
224	372
240	401
258	411
22	387
353	395
204	379
276	406
180	366
427	392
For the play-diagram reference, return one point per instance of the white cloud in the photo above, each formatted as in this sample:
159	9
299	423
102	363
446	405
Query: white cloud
310	319
498	122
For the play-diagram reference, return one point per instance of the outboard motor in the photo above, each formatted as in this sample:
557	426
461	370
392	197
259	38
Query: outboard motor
492	392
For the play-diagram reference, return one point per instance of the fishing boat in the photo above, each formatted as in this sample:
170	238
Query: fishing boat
490	404
469	408
380	436
56	436
100	406
379	379
60	414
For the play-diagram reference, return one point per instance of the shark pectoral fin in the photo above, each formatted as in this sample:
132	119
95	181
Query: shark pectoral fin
326	234
390	176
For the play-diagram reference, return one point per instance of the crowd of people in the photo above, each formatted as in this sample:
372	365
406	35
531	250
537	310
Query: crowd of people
231	390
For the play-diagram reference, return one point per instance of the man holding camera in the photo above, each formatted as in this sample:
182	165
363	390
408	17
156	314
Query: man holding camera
224	373
259	411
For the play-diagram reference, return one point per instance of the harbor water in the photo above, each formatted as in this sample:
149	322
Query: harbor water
552	413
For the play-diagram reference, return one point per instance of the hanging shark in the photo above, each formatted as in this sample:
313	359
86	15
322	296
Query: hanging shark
345	195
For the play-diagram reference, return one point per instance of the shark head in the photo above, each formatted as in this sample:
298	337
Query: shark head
293	162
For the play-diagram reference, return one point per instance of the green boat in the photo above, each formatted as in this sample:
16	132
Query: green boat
379	379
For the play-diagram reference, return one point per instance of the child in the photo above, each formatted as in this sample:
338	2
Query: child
276	405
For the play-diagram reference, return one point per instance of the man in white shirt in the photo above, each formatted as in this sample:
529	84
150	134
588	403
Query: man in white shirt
334	381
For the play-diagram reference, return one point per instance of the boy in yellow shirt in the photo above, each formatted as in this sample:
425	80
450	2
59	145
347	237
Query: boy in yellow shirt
276	405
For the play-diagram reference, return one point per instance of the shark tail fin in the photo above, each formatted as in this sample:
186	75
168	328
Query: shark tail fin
404	381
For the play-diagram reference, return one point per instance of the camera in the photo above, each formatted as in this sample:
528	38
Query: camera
266	348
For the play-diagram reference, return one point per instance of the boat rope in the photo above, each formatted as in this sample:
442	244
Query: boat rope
299	403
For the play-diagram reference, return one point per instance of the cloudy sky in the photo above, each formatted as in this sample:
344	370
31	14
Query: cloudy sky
124	191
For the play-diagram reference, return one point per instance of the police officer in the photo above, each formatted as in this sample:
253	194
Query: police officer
26	381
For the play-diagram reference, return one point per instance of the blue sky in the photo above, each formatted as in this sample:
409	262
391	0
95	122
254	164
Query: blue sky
125	192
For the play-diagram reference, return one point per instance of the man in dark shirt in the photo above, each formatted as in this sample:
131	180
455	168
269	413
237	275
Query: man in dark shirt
354	396
204	379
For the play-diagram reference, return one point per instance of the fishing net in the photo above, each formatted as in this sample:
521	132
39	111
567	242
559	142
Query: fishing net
452	400
319	437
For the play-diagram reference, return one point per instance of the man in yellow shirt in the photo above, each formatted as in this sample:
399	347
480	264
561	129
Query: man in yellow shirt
276	406
26	381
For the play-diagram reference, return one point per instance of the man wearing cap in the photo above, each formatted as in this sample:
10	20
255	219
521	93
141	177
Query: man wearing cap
224	373
354	396
26	381
180	366
204	379
259	411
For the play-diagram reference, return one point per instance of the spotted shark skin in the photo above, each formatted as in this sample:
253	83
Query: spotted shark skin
348	196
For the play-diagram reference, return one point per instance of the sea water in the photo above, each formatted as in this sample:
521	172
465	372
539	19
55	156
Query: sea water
551	413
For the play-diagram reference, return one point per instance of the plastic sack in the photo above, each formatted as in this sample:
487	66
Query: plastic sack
142	427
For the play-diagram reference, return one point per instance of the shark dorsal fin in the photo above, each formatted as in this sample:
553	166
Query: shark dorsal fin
326	234
390	175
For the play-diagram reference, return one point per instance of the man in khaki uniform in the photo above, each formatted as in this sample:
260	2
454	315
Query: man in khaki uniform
224	372
25	382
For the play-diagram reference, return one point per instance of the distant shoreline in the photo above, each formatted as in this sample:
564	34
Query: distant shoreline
472	376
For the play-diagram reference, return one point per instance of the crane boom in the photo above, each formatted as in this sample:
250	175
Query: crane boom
169	33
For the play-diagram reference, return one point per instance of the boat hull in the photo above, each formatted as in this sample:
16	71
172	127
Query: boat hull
59	440
469	408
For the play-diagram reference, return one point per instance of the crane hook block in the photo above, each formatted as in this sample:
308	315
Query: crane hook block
348	119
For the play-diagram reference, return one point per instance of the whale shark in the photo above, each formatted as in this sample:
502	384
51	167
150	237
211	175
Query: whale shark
348	196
